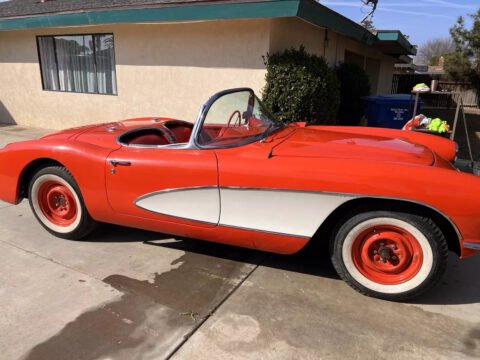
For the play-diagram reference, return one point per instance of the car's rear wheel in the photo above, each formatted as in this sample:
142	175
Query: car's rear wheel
58	205
389	255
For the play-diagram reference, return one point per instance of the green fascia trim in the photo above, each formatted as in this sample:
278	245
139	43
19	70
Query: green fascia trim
399	38
279	8
306	9
309	10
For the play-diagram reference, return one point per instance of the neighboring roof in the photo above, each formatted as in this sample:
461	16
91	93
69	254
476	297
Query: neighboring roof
394	43
23	14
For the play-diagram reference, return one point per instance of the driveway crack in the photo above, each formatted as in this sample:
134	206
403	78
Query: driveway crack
31	252
214	310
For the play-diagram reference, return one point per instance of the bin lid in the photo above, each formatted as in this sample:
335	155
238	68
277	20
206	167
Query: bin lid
384	99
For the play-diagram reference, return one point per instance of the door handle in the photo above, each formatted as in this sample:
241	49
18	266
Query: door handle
120	163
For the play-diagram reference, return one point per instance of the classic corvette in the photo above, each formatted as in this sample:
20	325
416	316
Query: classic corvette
389	203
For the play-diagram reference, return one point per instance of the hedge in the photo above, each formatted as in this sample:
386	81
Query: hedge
301	87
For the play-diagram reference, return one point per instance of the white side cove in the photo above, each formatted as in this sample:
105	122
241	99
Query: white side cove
279	211
288	212
197	204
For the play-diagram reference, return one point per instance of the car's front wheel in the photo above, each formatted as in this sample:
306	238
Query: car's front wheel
389	255
58	205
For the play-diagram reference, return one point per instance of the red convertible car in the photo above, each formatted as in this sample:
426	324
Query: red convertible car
389	203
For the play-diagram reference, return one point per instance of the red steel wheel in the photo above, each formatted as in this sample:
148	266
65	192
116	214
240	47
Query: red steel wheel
387	254
392	255
57	203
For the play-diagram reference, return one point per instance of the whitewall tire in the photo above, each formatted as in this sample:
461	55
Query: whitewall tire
389	255
57	203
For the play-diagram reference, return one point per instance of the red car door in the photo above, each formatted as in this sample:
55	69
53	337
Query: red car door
164	184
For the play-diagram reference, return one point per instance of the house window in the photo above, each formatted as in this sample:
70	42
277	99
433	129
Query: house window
78	63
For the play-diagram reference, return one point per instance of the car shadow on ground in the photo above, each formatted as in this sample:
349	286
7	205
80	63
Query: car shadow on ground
459	286
312	259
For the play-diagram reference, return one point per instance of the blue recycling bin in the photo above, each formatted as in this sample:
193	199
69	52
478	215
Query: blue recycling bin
389	111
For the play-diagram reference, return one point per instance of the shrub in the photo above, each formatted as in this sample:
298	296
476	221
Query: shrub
354	84
301	87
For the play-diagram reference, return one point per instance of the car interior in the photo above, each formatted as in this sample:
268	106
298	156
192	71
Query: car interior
179	131
168	132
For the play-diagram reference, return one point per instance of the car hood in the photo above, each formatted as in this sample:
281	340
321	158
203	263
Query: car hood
307	142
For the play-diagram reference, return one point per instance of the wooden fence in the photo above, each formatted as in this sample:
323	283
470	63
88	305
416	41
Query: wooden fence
464	90
404	83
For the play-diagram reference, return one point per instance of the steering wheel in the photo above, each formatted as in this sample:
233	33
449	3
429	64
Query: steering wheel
169	134
236	112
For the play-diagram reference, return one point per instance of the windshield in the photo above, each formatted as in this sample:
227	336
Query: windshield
235	118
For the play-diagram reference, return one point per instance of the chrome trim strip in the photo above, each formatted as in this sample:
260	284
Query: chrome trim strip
264	231
196	127
177	217
180	146
173	190
309	191
470	245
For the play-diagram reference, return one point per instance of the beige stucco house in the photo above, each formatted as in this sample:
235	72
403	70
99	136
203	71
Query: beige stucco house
66	63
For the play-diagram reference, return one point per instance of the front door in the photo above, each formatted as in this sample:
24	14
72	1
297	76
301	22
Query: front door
164	184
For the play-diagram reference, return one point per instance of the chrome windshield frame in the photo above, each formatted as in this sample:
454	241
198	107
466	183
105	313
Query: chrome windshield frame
197	126
202	114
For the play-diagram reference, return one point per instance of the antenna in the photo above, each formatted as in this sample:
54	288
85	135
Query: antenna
373	4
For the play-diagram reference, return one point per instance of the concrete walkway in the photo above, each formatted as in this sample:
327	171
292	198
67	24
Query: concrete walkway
131	294
12	133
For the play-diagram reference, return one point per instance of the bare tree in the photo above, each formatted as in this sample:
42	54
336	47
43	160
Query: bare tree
367	21
368	24
434	47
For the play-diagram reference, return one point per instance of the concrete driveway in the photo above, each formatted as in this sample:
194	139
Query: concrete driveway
131	294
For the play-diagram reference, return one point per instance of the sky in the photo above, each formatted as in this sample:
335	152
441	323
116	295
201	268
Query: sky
422	20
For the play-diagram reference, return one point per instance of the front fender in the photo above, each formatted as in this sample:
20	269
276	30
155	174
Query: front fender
85	162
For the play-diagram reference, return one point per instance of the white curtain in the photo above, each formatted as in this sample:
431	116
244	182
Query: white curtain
105	60
48	63
78	63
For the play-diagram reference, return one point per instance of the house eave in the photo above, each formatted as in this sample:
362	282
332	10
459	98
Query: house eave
309	10
394	42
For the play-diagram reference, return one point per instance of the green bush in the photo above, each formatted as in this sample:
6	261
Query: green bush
354	84
301	87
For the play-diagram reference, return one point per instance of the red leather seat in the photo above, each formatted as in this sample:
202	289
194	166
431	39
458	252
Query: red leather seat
148	139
